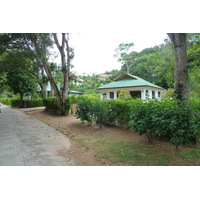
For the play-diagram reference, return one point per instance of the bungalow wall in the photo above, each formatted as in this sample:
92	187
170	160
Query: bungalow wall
141	92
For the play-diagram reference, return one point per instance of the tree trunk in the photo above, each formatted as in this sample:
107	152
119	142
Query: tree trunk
21	99
180	68
149	136
55	88
65	66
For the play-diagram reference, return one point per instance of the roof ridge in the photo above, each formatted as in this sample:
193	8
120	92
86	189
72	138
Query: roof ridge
137	82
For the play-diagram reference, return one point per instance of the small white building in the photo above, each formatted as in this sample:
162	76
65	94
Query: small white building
132	86
50	91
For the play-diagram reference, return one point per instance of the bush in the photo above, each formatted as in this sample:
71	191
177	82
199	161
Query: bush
33	102
26	103
143	119
91	109
119	111
195	106
180	121
51	104
4	101
165	118
73	99
15	103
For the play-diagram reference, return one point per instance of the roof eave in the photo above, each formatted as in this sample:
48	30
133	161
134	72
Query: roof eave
131	87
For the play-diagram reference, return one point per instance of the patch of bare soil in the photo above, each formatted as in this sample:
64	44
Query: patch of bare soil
75	130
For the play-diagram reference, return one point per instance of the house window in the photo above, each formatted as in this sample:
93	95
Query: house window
135	94
158	94
153	94
104	95
111	95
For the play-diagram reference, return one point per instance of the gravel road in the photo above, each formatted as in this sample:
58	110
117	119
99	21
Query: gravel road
26	141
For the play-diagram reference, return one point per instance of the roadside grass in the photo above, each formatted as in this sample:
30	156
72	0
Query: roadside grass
122	153
191	156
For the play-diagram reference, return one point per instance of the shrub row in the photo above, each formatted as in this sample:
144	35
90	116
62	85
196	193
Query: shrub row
51	104
178	120
166	118
4	101
26	103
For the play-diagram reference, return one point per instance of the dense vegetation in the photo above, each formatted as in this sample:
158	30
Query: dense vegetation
168	118
25	65
51	104
155	64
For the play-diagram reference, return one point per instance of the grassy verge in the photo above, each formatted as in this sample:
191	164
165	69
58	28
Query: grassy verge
128	154
191	156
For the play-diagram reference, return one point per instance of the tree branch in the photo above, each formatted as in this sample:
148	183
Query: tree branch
57	42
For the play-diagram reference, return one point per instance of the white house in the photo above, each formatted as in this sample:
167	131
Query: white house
132	86
50	92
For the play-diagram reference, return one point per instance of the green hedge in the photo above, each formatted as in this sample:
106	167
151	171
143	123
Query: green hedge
26	103
119	111
165	118
91	109
180	121
4	101
51	104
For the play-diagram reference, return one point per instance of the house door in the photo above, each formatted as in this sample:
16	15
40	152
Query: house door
135	94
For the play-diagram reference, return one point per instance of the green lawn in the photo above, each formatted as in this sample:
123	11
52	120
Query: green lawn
128	154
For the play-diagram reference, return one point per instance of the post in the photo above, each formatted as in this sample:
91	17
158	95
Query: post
144	94
150	94
156	94
108	95
115	95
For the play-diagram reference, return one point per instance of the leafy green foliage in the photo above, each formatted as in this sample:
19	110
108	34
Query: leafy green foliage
19	81
51	104
33	102
179	121
91	109
119	111
26	103
169	93
166	118
4	101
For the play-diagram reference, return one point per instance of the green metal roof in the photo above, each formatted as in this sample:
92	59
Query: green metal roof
75	92
128	80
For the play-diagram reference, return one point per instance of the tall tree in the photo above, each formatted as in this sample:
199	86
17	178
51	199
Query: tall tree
40	45
123	56
19	81
36	46
180	68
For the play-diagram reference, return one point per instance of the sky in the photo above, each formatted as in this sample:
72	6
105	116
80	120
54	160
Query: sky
94	50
